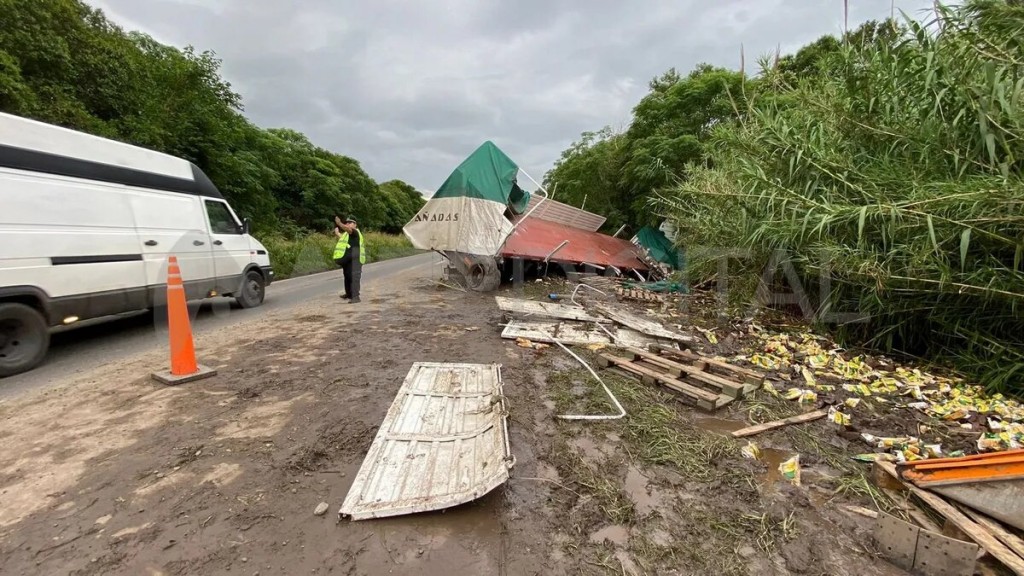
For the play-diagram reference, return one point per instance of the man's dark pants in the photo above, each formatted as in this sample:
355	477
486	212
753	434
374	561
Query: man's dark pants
352	270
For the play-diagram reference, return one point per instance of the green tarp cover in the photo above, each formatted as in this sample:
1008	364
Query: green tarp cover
658	246
659	286
519	199
487	174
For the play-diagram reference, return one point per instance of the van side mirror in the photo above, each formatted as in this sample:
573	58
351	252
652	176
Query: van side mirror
246	225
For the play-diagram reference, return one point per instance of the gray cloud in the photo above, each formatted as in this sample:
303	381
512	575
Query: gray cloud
410	88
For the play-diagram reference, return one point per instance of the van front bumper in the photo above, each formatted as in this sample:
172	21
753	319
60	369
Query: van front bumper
268	273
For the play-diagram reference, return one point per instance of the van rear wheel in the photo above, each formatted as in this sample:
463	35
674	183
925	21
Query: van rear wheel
253	290
24	338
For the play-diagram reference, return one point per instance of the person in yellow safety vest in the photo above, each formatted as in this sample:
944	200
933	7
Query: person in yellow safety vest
350	255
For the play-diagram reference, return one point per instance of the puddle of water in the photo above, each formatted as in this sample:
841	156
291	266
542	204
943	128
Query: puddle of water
588	447
636	489
462	539
661	538
719	425
617	535
626	561
772	458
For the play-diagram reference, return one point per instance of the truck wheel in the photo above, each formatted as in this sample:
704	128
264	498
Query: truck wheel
482	274
24	338
253	289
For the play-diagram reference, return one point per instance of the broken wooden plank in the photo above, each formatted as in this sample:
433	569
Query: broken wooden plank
539	332
973	530
922	519
644	325
731	389
1011	540
860	511
748	375
546	309
574	334
798	419
704	399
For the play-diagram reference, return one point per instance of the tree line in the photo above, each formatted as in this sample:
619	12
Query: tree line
888	160
65	63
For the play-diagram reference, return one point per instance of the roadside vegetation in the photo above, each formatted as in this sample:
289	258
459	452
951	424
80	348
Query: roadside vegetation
312	253
63	62
889	159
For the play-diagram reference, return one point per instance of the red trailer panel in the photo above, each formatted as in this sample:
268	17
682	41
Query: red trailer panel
534	239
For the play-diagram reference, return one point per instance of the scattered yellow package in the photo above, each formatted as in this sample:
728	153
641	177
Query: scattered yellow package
852	402
790	470
769	388
837	417
861	389
989	443
808	397
708	334
808	376
750	451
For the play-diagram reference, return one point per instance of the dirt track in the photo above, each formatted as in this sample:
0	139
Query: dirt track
118	475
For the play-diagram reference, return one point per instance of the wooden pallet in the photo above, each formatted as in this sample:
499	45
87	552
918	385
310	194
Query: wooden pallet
702	390
752	379
638	294
604	283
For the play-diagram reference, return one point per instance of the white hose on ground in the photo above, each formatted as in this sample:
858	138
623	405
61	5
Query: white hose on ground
622	411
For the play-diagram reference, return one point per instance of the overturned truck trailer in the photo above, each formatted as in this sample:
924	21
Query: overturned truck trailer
483	222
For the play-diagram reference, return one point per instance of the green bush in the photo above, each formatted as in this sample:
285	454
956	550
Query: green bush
312	253
901	176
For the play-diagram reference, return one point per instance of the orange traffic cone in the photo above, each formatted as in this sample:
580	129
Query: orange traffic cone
183	352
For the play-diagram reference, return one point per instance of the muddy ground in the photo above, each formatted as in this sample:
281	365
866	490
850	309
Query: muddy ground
115	474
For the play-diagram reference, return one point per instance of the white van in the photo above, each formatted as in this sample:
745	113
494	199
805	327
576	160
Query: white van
87	225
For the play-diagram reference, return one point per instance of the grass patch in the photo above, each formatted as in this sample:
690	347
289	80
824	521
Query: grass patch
600	497
705	529
576	392
656	431
661	435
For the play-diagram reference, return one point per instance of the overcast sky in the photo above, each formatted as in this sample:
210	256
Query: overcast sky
410	87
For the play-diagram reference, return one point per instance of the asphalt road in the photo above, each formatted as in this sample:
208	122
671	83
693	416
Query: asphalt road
92	344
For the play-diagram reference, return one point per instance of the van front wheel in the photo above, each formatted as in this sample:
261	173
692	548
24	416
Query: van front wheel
24	338
253	290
